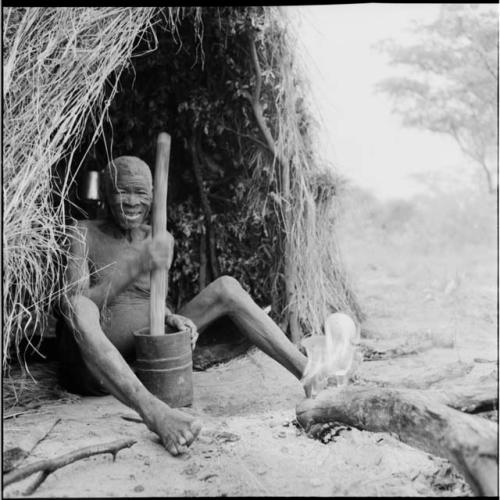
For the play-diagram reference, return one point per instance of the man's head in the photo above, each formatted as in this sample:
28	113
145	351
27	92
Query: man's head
128	188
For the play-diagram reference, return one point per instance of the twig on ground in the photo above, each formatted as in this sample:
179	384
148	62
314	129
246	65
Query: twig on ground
36	411
484	360
13	457
44	436
48	466
131	418
407	348
12	415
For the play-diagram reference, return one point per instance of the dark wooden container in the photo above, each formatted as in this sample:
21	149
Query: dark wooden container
164	365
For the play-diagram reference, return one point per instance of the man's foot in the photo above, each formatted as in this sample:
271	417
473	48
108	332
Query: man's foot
177	430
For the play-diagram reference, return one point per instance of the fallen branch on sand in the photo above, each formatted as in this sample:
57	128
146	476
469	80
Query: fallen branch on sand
472	398
48	466
469	442
373	351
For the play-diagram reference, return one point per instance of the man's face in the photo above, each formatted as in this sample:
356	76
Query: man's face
130	198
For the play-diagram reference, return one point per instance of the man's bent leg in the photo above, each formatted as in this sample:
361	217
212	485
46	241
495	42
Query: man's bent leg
225	296
73	373
175	428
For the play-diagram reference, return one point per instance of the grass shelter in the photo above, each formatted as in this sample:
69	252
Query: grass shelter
249	194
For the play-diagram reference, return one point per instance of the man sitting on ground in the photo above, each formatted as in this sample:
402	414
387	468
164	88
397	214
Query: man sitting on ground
110	265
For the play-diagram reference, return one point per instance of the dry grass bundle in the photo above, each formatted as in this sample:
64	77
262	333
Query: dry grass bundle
57	62
307	188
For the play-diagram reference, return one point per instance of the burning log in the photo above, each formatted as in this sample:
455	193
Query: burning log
468	441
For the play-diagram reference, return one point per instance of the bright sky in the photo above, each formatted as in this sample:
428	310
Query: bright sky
367	142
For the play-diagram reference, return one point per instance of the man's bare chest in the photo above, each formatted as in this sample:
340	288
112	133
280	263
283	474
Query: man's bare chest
106	251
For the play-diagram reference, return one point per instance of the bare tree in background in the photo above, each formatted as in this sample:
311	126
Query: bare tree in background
454	80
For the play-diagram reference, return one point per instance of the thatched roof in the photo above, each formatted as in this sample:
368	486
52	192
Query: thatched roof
62	69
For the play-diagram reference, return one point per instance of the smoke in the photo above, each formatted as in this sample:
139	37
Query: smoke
330	357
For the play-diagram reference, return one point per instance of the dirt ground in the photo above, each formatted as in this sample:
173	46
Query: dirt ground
250	444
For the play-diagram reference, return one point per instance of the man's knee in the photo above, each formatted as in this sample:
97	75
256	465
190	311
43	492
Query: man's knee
228	290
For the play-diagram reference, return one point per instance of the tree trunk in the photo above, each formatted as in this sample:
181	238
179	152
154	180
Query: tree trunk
468	441
292	320
207	210
202	279
477	157
489	178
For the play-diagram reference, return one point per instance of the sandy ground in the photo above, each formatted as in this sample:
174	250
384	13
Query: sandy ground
249	444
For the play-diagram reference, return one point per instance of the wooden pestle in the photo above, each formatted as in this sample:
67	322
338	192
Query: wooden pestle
159	277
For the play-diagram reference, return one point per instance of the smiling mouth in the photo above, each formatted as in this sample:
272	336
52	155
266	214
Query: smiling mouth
132	216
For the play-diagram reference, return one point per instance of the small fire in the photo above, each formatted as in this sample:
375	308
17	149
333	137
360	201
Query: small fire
330	355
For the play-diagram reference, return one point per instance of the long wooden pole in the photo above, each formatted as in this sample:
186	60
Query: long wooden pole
159	277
